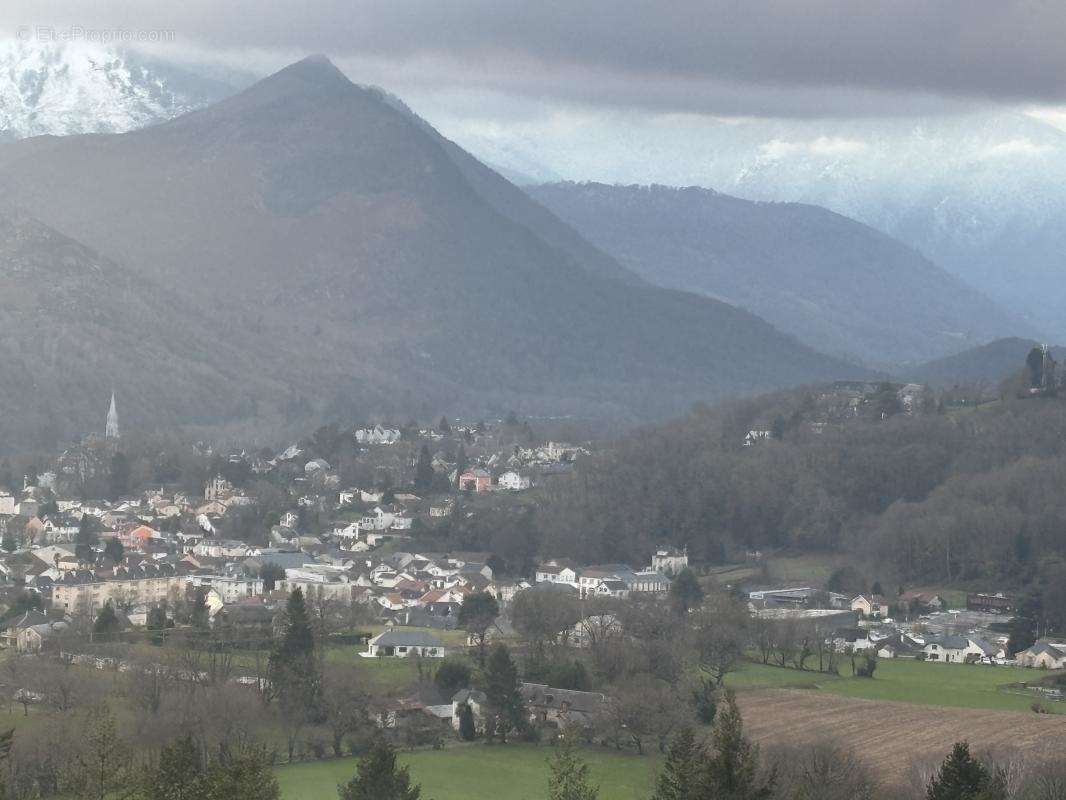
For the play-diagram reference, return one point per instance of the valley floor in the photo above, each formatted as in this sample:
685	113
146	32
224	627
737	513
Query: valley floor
910	711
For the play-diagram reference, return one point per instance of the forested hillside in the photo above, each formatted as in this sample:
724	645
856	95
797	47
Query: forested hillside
942	496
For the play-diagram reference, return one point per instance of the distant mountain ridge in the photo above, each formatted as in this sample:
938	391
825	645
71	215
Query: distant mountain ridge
834	283
986	365
980	194
340	248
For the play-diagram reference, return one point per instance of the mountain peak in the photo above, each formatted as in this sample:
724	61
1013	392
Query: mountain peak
312	75
316	68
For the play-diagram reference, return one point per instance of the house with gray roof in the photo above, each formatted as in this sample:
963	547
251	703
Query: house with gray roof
960	649
1044	654
396	643
561	707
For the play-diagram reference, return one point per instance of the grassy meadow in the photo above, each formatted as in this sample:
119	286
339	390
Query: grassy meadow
481	772
907	681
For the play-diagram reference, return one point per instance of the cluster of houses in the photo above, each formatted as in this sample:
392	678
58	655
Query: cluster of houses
930	631
845	400
165	546
612	580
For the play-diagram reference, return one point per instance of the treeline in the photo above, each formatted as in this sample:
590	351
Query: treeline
940	496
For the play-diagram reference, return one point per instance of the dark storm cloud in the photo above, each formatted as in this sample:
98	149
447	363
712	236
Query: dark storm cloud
682	54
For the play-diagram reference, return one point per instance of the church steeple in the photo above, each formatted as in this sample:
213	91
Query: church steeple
111	429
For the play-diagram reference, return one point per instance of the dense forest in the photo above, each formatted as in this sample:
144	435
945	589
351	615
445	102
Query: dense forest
971	495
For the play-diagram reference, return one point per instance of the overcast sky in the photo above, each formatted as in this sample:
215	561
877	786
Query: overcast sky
724	57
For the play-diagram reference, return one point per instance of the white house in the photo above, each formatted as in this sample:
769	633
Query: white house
348	533
512	481
754	437
1043	654
377	435
669	560
556	572
960	650
402	644
870	606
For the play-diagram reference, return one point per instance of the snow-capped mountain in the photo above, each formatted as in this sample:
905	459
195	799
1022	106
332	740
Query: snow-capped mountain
79	87
981	194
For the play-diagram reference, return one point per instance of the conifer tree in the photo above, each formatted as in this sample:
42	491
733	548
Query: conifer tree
732	771
569	778
960	777
115	550
294	671
200	617
179	774
85	540
424	470
248	776
679	779
379	778
106	623
476	615
502	694
467	728
685	592
293	657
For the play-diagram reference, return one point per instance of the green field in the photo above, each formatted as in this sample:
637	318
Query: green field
907	681
480	772
802	569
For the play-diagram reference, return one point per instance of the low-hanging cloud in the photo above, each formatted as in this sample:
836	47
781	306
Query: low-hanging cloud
732	56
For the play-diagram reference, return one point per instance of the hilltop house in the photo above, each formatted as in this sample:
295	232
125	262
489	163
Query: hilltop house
669	560
512	481
756	436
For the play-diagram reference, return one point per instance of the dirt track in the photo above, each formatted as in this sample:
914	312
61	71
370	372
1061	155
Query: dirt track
889	736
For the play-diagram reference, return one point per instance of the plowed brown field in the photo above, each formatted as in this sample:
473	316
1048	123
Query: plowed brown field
889	736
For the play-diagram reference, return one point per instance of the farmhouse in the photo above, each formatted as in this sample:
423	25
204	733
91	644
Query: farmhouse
1043	654
870	606
34	638
561	707
960	650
